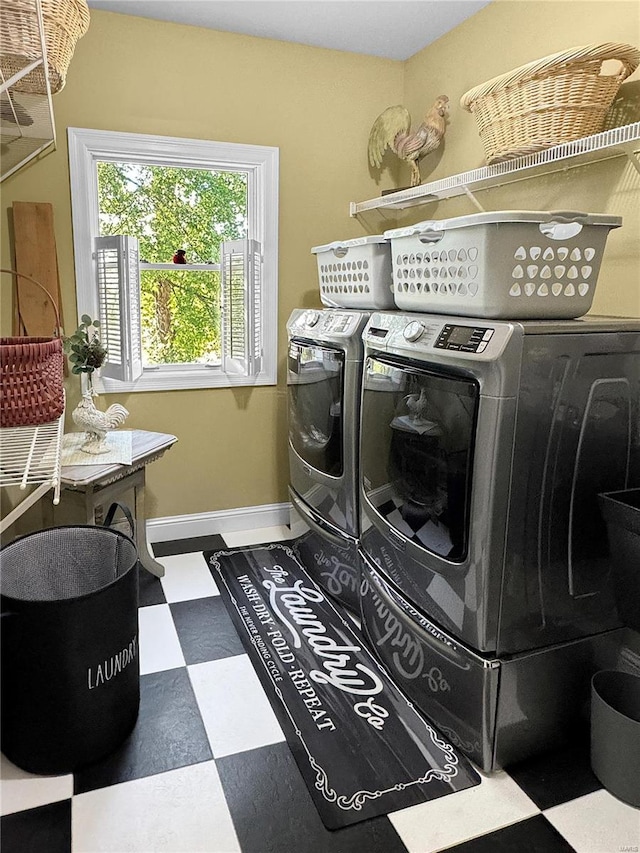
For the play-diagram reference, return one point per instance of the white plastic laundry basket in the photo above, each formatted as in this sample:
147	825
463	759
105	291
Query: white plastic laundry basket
505	264
355	273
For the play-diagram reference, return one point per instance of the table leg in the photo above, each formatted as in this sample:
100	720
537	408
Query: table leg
146	560
89	506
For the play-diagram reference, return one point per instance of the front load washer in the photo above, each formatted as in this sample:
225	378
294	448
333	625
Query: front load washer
484	447
485	562
324	377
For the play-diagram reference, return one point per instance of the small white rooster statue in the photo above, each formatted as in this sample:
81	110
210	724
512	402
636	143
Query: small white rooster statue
97	423
417	405
392	129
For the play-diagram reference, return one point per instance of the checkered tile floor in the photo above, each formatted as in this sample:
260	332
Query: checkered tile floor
207	767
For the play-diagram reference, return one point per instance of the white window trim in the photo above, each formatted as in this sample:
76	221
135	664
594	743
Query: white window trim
88	146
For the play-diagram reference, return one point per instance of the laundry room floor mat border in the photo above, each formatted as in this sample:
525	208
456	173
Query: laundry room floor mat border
361	746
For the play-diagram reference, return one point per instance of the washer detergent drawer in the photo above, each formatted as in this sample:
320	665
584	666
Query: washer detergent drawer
455	688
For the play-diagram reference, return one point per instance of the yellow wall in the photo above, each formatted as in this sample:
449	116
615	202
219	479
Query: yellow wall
317	106
502	36
136	75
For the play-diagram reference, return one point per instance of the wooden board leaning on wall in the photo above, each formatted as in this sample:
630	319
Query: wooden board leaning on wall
35	256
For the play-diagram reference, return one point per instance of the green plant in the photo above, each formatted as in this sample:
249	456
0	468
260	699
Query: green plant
84	349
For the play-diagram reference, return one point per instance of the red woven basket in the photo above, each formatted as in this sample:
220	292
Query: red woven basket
31	375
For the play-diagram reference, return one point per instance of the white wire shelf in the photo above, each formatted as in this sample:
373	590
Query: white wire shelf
31	456
27	127
600	146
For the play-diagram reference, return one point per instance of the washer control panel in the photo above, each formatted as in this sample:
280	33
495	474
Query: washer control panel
464	338
450	337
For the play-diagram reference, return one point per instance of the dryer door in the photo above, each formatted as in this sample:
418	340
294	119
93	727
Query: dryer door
316	386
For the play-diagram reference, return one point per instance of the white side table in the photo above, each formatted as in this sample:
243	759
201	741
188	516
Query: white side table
92	488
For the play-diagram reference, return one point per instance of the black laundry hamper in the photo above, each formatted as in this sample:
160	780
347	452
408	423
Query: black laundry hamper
70	663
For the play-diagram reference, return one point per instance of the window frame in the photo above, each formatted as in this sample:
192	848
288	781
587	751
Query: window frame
87	146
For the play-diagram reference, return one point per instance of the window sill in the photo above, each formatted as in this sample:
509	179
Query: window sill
158	380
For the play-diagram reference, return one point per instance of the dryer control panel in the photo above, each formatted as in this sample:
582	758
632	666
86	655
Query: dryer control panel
340	323
327	324
342	328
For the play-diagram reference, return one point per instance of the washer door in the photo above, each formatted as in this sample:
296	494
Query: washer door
416	453
316	387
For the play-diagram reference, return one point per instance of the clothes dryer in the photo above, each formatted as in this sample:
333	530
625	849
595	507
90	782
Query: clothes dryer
483	448
324	378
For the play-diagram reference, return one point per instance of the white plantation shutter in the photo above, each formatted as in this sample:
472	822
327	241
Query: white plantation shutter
118	278
241	307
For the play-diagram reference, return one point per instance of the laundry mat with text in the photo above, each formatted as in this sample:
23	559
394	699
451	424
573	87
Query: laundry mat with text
362	748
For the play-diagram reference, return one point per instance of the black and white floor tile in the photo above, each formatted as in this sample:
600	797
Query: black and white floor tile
207	768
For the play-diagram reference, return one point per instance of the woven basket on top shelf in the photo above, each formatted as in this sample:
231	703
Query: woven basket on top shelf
64	22
557	99
31	374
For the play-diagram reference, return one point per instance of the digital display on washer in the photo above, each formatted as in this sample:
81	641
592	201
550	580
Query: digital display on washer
378	333
460	335
464	338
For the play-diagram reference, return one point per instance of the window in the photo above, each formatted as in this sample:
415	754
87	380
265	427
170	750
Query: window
137	200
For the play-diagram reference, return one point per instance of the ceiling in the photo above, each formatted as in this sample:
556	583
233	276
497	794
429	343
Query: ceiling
395	29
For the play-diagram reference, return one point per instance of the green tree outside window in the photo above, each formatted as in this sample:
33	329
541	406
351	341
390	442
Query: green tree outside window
168	209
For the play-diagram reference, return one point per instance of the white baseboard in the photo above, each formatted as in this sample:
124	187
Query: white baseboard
223	521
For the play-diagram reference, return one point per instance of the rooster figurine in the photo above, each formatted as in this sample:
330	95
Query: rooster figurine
97	423
392	130
417	405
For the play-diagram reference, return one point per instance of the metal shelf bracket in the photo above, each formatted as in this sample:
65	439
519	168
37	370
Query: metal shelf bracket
634	160
472	198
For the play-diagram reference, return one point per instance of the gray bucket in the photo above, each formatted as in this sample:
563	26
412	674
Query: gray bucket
615	733
621	511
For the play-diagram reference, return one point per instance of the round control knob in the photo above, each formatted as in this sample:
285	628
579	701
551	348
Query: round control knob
413	331
312	318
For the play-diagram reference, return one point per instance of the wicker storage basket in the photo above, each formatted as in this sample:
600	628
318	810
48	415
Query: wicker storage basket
31	376
64	22
557	99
